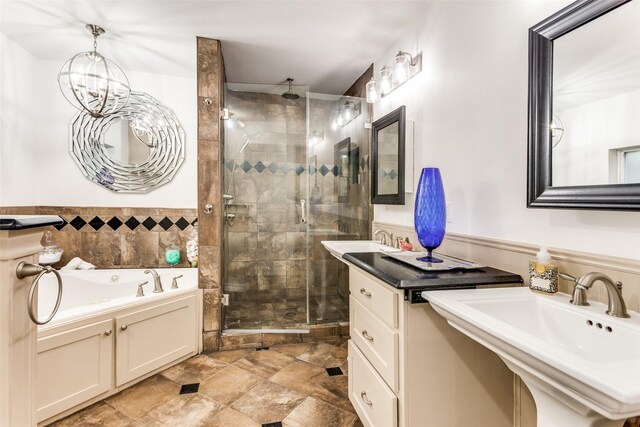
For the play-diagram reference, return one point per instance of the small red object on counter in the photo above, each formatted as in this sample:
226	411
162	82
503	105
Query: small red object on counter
406	245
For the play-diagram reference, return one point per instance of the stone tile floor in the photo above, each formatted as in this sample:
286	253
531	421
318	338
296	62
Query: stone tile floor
286	385
290	313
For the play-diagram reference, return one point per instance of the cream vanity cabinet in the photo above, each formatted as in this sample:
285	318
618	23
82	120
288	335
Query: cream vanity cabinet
77	364
409	368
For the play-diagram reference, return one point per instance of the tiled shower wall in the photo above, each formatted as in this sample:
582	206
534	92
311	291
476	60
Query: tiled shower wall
267	245
210	67
117	237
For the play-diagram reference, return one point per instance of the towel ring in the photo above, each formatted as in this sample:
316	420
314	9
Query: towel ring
27	270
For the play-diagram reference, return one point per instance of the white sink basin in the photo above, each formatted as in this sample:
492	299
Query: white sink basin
341	247
580	374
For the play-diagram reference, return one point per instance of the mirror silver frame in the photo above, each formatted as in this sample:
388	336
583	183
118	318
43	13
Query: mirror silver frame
396	116
89	152
540	191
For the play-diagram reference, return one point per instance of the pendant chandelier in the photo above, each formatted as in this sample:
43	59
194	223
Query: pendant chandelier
92	83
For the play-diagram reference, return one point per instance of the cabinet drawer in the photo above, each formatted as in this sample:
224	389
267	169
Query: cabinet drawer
374	402
377	341
376	297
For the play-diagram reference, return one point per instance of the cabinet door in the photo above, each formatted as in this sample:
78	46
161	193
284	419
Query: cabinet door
149	339
72	367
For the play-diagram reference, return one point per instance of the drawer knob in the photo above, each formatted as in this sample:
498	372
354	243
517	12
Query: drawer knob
363	395
364	292
107	332
123	327
366	335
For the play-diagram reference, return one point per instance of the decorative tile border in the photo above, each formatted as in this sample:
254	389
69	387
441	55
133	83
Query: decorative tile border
275	167
392	174
139	223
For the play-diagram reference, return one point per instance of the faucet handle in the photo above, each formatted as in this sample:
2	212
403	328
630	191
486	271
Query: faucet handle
140	292
174	282
568	277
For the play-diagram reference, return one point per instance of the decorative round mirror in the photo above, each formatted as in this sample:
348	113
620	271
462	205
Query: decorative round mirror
135	150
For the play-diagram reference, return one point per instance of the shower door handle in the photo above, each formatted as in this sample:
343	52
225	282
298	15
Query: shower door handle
303	208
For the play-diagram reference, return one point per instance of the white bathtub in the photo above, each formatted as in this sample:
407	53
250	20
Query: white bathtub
89	292
104	338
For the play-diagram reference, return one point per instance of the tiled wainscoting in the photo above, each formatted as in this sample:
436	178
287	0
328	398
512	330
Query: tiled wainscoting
515	257
117	237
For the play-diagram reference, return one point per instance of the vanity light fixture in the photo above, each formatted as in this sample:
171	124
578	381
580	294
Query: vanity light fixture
401	64
385	80
372	91
92	83
316	137
405	66
348	111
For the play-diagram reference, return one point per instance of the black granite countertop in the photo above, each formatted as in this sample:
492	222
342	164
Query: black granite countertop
403	276
20	222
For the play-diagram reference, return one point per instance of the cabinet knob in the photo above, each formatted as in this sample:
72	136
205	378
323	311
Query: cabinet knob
108	332
363	395
364	292
123	327
366	335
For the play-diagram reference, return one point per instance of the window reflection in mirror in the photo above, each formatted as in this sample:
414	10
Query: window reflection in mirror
596	97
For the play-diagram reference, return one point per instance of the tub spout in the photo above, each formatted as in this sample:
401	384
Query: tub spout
157	283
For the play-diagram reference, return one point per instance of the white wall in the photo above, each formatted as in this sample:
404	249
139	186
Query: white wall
469	105
18	101
59	182
590	131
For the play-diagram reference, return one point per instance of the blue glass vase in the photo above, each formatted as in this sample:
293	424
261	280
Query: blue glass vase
430	215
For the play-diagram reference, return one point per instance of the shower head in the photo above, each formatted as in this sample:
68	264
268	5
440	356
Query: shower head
289	94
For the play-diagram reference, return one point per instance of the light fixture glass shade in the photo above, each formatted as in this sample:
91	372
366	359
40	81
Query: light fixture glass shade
91	82
401	64
316	137
347	112
372	91
385	80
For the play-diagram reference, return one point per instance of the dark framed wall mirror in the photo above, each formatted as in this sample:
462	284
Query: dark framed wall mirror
388	158
584	107
347	159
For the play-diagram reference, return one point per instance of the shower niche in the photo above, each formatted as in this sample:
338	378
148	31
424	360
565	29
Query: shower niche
288	186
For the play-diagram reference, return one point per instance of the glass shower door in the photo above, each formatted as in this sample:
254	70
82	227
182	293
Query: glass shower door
295	173
338	205
265	237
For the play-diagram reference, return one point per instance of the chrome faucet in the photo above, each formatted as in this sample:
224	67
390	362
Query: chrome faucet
386	238
157	283
616	306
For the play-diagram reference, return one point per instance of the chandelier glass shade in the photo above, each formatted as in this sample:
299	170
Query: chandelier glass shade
92	83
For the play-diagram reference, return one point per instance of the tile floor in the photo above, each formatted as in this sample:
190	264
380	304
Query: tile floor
290	313
286	385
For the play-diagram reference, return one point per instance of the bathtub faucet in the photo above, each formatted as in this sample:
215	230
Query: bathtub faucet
157	283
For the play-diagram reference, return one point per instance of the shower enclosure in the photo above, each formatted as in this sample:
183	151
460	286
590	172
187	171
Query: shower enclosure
296	173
